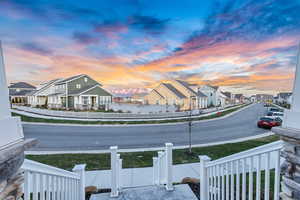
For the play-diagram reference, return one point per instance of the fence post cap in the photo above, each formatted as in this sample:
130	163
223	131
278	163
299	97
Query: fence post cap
79	167
204	158
113	148
169	144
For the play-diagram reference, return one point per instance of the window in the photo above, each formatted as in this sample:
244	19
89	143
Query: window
78	86
85	100
85	79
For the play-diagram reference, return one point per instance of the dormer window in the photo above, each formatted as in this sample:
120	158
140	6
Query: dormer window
78	86
85	79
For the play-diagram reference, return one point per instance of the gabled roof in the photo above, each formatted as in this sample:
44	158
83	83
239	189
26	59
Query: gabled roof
174	90
186	85
238	96
23	85
227	94
69	79
20	93
156	92
200	94
88	88
46	85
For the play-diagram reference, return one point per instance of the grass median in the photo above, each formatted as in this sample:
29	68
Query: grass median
41	120
144	159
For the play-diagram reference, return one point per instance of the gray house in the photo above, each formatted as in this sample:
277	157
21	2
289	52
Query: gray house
18	92
79	92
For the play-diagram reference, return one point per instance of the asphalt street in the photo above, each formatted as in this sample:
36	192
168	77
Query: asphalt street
57	137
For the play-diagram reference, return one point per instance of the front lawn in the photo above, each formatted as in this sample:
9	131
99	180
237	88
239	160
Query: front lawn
144	159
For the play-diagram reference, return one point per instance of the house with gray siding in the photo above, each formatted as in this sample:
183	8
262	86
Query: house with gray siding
79	92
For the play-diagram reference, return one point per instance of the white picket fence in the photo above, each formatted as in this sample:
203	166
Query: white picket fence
232	177
44	182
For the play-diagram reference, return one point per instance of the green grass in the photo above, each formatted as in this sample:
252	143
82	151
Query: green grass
41	120
144	159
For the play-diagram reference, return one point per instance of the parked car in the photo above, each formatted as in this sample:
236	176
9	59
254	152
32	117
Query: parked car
269	122
274	109
276	114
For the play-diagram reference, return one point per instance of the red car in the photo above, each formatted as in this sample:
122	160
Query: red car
269	122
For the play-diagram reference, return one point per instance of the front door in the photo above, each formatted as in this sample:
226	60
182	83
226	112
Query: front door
94	100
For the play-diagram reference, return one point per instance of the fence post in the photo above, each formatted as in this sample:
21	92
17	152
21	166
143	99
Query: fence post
155	171
160	167
120	171
113	165
80	170
203	177
169	166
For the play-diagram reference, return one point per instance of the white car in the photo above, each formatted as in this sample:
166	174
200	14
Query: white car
277	114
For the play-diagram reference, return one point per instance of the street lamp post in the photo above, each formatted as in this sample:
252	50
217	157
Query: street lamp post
190	126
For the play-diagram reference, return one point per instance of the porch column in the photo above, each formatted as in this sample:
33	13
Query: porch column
12	144
290	134
4	100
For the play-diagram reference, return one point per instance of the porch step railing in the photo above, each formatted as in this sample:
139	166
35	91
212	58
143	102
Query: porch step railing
163	167
116	169
44	182
250	174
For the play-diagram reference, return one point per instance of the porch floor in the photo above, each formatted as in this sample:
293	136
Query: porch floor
180	192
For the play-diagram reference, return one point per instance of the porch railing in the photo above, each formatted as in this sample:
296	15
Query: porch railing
116	169
44	182
242	175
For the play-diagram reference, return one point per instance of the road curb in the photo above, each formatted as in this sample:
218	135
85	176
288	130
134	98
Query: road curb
40	152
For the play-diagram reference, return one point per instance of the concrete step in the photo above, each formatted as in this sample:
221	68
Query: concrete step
180	192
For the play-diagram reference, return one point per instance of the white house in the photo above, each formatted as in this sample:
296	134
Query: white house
285	97
40	96
214	94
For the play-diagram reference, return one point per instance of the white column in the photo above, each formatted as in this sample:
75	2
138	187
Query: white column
169	166
296	90
292	116
113	162
203	177
80	170
11	127
4	100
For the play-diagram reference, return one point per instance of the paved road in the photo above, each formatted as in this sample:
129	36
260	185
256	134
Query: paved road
53	137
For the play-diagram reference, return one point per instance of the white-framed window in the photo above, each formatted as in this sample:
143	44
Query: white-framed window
78	86
85	100
85	79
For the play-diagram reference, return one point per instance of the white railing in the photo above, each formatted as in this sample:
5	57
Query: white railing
44	182
163	168
233	177
116	169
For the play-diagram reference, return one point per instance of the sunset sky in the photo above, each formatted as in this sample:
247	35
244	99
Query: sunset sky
243	46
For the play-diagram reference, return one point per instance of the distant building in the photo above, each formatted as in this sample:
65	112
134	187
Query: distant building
18	92
178	93
214	94
266	98
138	98
239	98
253	98
284	98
